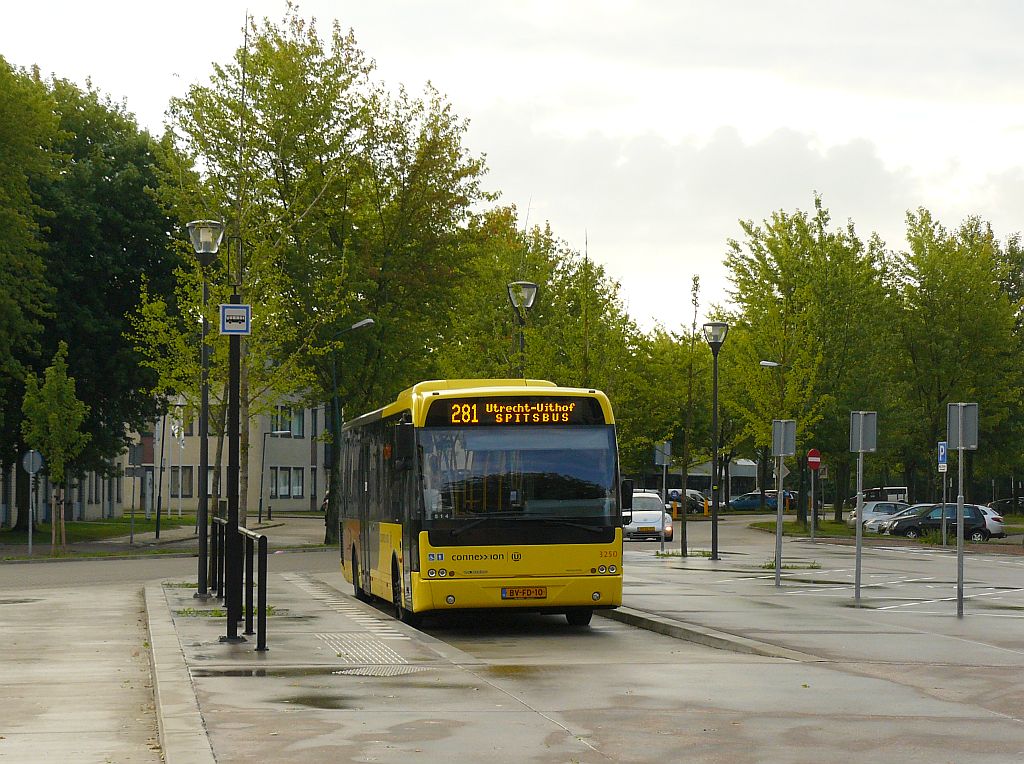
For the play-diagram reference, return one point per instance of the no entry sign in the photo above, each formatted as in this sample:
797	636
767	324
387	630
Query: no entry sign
814	459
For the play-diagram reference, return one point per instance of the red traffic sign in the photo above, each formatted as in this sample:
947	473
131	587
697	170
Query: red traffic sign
814	458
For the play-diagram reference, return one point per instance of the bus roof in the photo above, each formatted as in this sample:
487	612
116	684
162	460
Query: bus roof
417	398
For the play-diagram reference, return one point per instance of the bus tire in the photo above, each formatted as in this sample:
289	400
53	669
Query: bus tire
579	617
401	613
357	586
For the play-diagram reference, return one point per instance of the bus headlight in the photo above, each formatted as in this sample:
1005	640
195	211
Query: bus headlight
442	572
601	568
595	596
431	572
450	599
612	569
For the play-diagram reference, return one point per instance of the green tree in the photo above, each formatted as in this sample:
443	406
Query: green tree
956	333
810	297
104	233
53	426
27	129
348	202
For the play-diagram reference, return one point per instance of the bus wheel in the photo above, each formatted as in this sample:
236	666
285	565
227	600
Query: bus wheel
579	617
403	615
357	586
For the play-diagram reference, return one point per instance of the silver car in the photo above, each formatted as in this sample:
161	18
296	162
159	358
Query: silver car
994	522
873	509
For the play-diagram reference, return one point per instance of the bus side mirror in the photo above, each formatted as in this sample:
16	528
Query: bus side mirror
626	501
405	445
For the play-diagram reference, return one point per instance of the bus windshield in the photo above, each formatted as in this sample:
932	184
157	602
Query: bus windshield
523	472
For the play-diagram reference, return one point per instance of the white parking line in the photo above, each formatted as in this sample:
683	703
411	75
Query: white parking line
950	599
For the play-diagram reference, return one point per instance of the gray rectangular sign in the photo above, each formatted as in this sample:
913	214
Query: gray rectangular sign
663	453
970	420
783	437
863	431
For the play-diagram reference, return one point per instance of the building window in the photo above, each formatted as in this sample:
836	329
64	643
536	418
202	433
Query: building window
181	482
297	475
312	482
273	482
290	418
284	482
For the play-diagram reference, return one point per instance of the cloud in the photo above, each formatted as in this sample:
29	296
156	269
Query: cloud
656	212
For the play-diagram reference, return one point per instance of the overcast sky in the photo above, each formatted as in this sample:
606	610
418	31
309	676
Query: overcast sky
651	126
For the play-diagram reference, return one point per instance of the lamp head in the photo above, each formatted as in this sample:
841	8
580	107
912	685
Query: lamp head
206	236
522	294
715	333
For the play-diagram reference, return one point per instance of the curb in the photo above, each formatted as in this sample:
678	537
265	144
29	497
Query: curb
183	736
709	637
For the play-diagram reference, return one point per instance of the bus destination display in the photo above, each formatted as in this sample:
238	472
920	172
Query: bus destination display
499	411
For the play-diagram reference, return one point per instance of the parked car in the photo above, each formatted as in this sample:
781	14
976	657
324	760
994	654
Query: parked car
873	509
994	523
930	519
649	516
1007	506
752	500
880	523
694	501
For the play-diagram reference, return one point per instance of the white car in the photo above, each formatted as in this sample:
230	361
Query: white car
649	518
994	522
873	509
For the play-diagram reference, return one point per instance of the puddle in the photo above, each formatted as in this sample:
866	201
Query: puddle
512	671
17	602
326	702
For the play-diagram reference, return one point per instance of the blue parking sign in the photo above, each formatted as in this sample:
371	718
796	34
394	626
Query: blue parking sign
942	452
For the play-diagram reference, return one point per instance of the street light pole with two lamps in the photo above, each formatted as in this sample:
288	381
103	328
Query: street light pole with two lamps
522	295
329	537
715	333
205	236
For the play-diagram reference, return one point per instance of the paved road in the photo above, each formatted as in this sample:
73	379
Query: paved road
807	677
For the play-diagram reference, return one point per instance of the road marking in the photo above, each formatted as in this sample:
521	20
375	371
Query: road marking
949	599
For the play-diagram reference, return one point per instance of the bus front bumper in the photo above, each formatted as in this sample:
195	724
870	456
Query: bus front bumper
540	593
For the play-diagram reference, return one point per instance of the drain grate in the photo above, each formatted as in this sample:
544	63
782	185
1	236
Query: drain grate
381	670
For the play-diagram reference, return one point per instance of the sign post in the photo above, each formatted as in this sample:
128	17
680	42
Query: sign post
863	437
962	434
783	445
32	461
813	463
942	472
662	456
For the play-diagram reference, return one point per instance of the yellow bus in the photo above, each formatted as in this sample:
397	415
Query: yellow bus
484	494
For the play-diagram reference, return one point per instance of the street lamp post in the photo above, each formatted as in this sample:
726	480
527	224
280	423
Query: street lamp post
263	462
336	429
715	333
522	295
206	236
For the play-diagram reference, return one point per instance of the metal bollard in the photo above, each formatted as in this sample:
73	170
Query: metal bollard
248	585
261	624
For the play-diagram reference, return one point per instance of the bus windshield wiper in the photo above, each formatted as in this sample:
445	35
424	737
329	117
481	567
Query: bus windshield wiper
479	521
566	523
